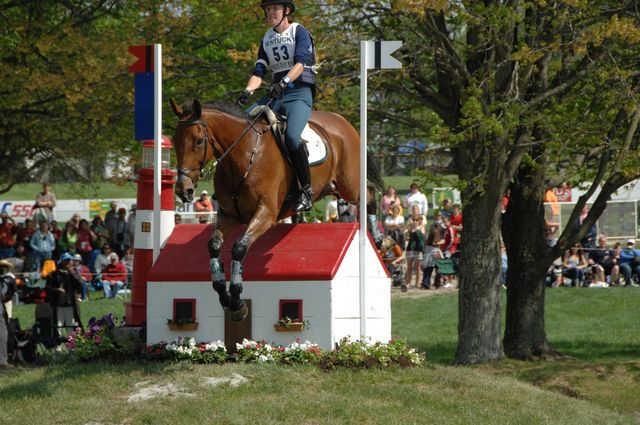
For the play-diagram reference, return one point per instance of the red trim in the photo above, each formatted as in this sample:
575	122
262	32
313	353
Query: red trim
283	302
184	300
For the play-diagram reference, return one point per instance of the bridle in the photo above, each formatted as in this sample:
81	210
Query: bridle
185	171
204	173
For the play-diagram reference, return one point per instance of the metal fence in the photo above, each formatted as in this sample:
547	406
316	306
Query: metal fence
191	217
618	221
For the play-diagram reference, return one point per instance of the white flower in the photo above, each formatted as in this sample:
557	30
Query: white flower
263	359
215	345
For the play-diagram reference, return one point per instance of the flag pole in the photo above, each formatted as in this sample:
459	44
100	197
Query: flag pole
363	186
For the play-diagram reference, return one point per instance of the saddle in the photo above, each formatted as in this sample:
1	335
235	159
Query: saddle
277	123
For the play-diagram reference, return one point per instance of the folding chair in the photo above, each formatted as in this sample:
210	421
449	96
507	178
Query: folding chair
444	267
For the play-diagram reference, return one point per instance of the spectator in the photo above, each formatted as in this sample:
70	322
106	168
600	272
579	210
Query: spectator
551	216
574	266
415	197
111	216
63	288
45	202
331	210
7	289
203	206
19	259
101	261
604	263
437	224
392	257
85	241
42	245
102	234
504	264
630	263
588	242
25	233
393	225
127	260
69	238
447	208
84	273
132	224
114	276
57	234
450	244
430	254
120	233
505	200
456	219
7	236
389	199
177	219
416	230
373	225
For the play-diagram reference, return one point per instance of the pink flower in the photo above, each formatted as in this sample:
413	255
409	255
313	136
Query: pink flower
71	344
97	339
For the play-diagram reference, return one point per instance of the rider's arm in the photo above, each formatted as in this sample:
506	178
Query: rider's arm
259	71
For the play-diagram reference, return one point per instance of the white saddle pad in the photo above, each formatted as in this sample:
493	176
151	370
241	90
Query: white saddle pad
316	147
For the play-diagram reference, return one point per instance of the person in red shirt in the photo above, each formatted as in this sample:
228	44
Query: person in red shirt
7	237
85	241
24	234
202	206
456	219
114	275
450	245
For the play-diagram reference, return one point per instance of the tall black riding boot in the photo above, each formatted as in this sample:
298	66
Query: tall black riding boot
302	201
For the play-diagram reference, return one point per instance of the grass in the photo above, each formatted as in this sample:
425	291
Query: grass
599	384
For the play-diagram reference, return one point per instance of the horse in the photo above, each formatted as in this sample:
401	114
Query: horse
253	179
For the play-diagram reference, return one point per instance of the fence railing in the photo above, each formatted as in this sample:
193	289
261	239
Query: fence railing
618	221
191	217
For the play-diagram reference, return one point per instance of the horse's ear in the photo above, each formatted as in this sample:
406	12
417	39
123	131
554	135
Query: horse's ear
175	108
197	109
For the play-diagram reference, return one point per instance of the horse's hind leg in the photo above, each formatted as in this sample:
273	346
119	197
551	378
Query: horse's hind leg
263	219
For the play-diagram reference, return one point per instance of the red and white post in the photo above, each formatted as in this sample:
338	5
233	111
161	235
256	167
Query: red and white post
146	224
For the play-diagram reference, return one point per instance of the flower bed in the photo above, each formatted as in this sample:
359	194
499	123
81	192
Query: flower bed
98	343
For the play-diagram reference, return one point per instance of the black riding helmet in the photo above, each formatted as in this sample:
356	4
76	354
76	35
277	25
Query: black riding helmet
289	3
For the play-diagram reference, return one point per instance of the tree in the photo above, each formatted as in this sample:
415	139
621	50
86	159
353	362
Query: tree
487	69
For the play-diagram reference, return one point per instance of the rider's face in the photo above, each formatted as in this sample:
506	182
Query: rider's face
274	13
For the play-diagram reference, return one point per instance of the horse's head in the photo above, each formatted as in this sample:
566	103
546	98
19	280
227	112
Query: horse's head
191	141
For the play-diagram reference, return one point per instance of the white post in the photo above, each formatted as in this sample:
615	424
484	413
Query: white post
157	148
363	186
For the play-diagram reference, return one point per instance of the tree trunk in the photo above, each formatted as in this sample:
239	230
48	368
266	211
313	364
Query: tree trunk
479	291
523	229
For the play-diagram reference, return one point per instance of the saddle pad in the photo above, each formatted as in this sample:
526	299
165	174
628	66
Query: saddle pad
316	147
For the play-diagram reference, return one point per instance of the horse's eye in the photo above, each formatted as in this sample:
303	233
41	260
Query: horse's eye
199	142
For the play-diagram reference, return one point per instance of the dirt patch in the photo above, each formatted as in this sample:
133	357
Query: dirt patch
154	391
234	380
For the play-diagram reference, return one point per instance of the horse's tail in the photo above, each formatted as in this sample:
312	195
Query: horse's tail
373	174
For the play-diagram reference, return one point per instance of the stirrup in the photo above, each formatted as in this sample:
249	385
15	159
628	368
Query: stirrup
303	200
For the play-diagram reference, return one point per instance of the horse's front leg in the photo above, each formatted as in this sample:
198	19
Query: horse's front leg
263	219
215	262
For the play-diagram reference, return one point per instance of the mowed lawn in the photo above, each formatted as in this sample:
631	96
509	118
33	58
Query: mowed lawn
599	384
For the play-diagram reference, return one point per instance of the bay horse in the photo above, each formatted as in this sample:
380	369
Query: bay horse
252	177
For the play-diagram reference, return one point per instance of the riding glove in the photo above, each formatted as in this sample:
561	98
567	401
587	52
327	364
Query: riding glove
276	90
244	98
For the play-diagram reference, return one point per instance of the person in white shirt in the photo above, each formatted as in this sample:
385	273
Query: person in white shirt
415	197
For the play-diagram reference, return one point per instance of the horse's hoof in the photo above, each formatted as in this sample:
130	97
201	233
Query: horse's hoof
240	313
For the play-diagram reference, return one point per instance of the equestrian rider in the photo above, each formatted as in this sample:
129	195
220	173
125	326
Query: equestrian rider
287	48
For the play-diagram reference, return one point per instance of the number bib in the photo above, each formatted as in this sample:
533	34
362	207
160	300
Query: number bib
280	48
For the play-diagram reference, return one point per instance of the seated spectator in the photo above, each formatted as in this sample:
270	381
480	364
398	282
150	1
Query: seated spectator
7	236
127	260
630	263
604	263
100	230
114	276
19	259
69	238
25	232
84	273
575	265
42	244
392	257
101	261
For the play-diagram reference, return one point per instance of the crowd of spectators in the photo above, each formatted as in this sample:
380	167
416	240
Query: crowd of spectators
98	252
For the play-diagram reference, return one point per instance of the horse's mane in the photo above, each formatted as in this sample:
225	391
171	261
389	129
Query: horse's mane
220	105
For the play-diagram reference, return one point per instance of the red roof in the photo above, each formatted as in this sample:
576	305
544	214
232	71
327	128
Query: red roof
285	252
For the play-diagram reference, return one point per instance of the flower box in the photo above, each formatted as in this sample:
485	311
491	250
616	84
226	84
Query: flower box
289	327
189	326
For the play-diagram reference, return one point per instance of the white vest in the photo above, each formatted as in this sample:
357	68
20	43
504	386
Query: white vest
280	48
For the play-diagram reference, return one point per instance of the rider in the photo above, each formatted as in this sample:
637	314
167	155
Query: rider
287	48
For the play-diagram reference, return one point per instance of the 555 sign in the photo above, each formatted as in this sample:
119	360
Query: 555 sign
18	211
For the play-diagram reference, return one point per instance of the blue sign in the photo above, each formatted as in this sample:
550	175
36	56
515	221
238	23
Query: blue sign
144	103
